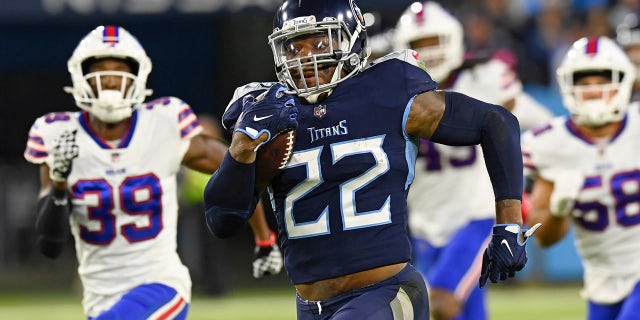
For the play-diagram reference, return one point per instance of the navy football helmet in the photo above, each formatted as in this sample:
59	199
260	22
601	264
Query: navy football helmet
343	45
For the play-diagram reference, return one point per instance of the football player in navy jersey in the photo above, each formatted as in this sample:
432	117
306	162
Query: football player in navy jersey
340	201
108	176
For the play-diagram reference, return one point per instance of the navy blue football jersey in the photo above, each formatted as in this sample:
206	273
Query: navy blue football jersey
341	201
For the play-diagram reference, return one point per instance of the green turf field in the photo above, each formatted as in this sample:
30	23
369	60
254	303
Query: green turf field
505	303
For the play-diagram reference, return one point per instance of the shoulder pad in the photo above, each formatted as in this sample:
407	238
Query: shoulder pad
234	108
540	143
162	103
175	112
54	123
46	129
407	55
253	87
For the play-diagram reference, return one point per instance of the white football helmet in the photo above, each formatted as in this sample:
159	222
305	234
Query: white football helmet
427	20
596	54
628	36
106	104
628	32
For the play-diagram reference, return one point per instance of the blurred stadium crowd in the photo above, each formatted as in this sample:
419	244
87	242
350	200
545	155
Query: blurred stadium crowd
203	52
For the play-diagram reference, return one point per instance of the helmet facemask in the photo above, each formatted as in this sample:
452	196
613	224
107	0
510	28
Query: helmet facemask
336	55
598	104
110	103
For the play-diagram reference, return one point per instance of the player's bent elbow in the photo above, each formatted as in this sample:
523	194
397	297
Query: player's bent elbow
225	222
500	117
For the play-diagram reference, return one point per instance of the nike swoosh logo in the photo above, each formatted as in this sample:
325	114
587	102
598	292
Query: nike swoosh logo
256	118
504	241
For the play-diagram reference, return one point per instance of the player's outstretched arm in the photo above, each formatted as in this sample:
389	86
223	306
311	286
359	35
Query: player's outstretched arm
452	118
455	119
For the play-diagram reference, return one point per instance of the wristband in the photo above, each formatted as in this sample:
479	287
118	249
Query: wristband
267	243
60	197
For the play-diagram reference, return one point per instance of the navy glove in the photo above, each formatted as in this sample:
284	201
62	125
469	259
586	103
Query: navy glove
505	254
272	112
235	106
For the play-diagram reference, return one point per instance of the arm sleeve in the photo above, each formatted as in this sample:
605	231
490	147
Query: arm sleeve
52	223
468	121
229	197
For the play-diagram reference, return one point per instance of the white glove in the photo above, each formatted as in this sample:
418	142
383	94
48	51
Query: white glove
267	259
566	187
65	150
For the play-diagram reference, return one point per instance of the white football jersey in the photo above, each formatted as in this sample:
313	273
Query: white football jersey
451	187
124	214
530	113
607	212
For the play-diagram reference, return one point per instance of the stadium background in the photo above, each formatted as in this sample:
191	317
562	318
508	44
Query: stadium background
201	51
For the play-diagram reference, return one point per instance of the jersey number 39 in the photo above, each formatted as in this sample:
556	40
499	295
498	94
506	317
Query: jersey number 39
146	185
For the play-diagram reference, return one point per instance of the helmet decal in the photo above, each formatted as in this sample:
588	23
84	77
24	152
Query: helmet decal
592	46
110	35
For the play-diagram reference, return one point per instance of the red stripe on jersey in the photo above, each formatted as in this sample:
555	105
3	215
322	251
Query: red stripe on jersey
171	310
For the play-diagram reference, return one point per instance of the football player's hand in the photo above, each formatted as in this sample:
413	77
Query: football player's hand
505	253
64	151
267	259
566	187
272	113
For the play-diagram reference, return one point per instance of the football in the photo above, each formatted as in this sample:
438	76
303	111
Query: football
273	156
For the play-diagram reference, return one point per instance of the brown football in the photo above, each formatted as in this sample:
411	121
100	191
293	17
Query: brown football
273	156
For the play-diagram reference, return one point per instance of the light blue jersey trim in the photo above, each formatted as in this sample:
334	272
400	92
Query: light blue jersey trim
411	148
